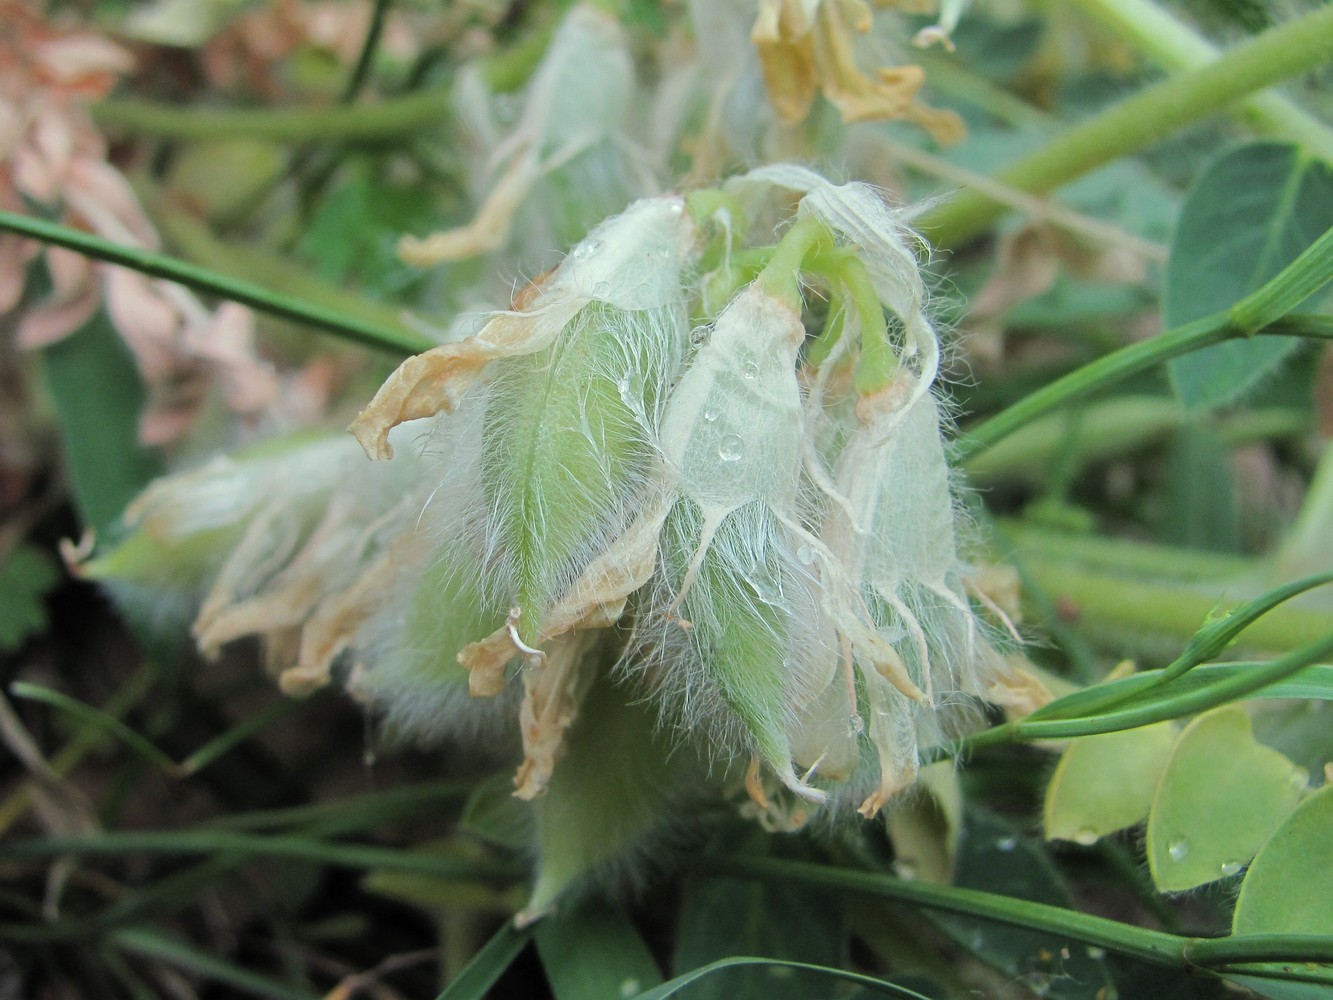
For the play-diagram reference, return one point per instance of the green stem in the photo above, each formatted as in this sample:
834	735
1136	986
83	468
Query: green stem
877	364
307	849
1157	947
1174	706
1214	952
151	943
173	269
781	276
1152	946
391	118
361	73
1301	44
1131	360
1177	47
1106	601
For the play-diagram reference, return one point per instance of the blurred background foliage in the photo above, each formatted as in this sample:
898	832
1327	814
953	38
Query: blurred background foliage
173	828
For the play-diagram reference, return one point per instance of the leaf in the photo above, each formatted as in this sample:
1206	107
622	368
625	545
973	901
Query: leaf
354	235
1289	887
723	917
1250	213
778	968
594	954
1105	783
1279	990
98	396
488	965
25	577
995	857
492	813
1220	797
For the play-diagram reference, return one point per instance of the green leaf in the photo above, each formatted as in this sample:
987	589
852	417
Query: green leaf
488	965
723	917
354	235
98	397
1250	213
1220	797
1106	782
1289	887
492	813
998	858
1279	990
25	577
778	982
594	954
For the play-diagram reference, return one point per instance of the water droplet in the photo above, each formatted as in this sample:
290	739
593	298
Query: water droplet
622	387
698	335
710	414
1006	844
1178	849
750	370
1231	867
601	289
677	208
1095	953
630	987
905	870
805	554
1086	836
1300	777
729	449
856	725
586	249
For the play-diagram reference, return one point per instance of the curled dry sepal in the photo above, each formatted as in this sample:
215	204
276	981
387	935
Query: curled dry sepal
689	495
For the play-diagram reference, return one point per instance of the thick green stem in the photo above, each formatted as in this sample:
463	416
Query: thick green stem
1168	706
1135	358
781	276
1302	44
1115	601
1157	947
162	266
392	118
1176	47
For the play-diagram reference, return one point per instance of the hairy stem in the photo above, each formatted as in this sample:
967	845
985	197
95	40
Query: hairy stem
391	118
1177	47
1301	44
399	341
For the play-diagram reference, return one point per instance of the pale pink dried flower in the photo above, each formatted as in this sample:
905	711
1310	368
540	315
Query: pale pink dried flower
52	155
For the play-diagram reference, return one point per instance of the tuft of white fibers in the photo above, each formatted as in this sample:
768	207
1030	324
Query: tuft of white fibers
727	630
574	113
894	533
290	542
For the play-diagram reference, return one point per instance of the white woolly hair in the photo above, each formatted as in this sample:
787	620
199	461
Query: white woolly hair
752	595
439	603
594	398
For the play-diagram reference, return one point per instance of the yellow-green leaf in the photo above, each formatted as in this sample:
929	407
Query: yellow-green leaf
1106	782
1289	887
1221	796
